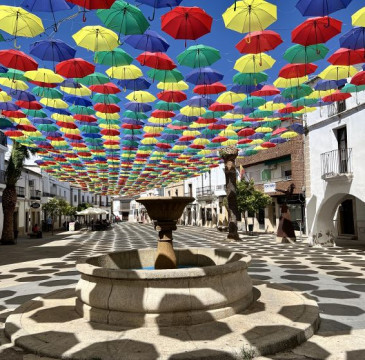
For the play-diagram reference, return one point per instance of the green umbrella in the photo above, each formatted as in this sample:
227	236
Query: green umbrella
93	79
135	115
81	110
14	74
5	123
250	78
252	102
250	152
124	18
197	56
116	57
172	131
130	143
213	114
165	76
304	102
213	145
242	123
350	88
257	114
35	113
296	92
106	98
109	121
47	127
168	106
243	146
90	129
47	92
132	132
305	54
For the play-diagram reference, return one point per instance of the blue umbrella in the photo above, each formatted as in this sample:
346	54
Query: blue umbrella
75	100
3	69
186	119
169	137
137	84
41	121
159	4
91	136
52	133
59	111
149	41
246	89
132	121
47	6
323	85
321	7
278	99
204	76
278	140
9	106
353	39
225	121
242	111
71	84
138	107
52	50
363	67
21	95
298	128
200	101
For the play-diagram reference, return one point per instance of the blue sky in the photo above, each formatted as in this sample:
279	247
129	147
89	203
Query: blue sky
220	37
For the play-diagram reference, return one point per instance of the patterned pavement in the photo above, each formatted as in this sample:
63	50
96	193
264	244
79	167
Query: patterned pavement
333	276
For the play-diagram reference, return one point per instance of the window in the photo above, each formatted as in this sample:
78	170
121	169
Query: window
169	193
190	190
341	106
286	171
266	175
75	198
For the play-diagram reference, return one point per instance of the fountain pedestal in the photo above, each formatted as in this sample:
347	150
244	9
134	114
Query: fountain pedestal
165	211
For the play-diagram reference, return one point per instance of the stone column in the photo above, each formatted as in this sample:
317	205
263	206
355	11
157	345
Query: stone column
166	258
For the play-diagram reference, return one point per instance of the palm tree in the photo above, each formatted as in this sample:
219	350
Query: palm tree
12	174
229	155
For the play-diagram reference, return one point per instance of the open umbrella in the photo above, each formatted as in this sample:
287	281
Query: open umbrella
188	23
254	63
156	4
333	72
250	15
19	22
16	59
75	68
305	54
96	38
354	39
316	30
258	42
52	50
290	71
198	56
320	7
116	57
148	41
124	18
156	60
347	57
204	76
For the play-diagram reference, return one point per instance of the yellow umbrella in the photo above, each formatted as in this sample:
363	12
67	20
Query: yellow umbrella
229	97
191	133
201	141
259	148
110	137
173	86
81	91
19	22
13	84
358	19
64	118
256	142
337	72
319	94
4	96
141	96
126	72
192	111
109	126
285	83
96	38
289	135
229	115
229	142
54	103
196	125
44	75
149	141
254	63
306	110
263	129
271	106
250	15
160	121
153	129
107	116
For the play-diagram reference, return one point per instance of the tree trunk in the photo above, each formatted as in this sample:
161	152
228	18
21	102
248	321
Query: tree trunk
229	155
9	204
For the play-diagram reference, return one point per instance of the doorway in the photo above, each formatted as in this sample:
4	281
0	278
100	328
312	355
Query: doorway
346	218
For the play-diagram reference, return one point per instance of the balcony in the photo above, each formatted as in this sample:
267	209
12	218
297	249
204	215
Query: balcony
46	194
337	165
35	194
257	177
20	191
205	193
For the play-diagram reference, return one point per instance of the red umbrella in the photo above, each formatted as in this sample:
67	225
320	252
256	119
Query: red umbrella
189	23
336	96
66	125
211	89
85	118
268	145
172	96
16	59
24	127
93	4
267	90
131	126
347	57
196	146
217	127
290	71
316	30
244	141
279	131
32	105
73	137
290	109
219	139
162	114
206	121
13	133
14	114
221	107
246	132
156	60
259	41
108	88
358	79
43	84
163	146
107	108
151	135
187	138
75	68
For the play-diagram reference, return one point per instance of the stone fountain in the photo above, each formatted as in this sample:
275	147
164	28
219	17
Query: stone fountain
191	303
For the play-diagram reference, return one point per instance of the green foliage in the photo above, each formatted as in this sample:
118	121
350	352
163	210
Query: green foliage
249	199
58	206
83	206
247	354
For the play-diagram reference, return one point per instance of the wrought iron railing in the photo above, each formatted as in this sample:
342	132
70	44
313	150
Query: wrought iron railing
205	191
336	162
35	194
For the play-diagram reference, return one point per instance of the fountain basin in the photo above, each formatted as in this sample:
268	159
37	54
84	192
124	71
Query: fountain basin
112	291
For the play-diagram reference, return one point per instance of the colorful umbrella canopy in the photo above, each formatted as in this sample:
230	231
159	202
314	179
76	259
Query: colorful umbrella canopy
148	41
259	41
305	54
254	63
321	7
354	39
347	57
52	50
75	68
188	23
250	15
17	60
